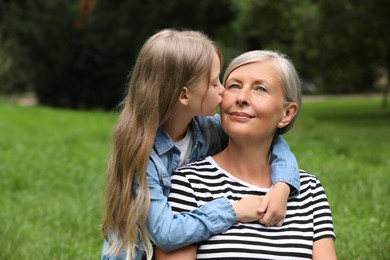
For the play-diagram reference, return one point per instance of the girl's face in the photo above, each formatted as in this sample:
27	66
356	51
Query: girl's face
253	102
207	94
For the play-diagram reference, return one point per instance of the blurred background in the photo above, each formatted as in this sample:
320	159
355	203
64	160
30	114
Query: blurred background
78	54
69	62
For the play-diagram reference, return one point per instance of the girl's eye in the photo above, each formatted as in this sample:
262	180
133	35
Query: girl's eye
216	84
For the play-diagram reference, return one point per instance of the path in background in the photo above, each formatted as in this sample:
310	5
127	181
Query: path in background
20	99
323	97
27	101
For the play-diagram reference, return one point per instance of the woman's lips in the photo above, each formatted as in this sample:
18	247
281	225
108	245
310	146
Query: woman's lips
240	116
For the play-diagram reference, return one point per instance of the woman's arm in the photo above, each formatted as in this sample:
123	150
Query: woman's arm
324	237
170	231
184	253
324	249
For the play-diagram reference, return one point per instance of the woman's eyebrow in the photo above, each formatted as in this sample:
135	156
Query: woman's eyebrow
233	79
262	81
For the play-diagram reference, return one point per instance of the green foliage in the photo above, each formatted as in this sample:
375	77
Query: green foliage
256	19
5	68
291	27
82	60
46	46
53	171
337	45
354	43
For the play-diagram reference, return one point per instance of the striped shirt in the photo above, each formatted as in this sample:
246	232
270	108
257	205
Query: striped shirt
308	215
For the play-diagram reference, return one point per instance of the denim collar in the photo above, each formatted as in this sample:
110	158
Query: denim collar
163	142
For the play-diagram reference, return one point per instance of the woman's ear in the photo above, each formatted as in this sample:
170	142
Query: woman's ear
290	112
184	98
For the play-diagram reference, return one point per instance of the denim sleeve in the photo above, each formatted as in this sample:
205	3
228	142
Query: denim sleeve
170	230
284	165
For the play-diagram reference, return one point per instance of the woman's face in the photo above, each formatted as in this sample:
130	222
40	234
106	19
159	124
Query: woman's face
206	95
253	101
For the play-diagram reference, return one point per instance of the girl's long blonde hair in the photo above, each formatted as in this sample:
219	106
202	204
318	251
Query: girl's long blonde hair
168	61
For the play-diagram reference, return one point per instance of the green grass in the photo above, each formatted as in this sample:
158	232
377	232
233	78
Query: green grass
346	143
52	172
52	175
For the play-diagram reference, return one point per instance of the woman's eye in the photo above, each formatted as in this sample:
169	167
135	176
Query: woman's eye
261	88
234	86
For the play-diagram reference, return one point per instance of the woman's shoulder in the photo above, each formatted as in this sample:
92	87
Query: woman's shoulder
307	177
305	174
310	183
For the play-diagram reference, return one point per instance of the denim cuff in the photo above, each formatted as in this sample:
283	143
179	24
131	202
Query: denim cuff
221	214
287	173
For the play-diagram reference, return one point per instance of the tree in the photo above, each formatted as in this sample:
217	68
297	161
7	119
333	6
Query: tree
78	54
338	45
287	26
354	43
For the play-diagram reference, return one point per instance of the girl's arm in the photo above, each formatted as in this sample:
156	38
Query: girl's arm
284	165
274	205
170	231
285	177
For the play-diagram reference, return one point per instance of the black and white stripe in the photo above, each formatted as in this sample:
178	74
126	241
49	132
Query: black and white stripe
308	215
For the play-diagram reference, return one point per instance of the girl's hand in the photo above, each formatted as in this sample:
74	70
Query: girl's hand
247	209
274	205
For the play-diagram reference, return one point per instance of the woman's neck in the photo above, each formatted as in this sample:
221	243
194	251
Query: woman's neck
247	161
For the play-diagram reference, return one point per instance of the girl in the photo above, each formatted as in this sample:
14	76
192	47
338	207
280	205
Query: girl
165	122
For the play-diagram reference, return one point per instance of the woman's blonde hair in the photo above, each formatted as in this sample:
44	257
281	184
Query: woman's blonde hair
289	78
168	61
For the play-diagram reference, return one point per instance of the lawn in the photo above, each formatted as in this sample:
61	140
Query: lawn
52	177
346	143
53	161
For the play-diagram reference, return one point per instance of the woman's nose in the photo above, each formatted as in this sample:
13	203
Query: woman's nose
242	97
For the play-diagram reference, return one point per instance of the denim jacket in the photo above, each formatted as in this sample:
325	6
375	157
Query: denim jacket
170	231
